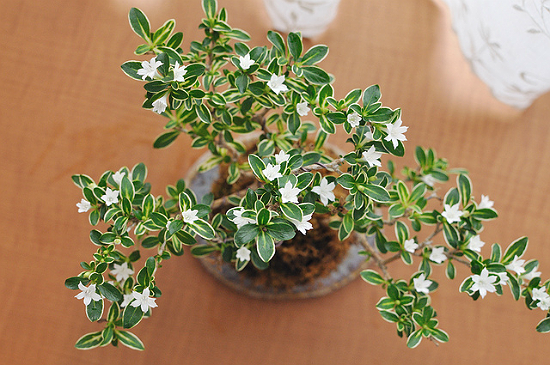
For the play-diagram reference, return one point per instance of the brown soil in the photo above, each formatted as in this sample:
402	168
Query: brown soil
298	261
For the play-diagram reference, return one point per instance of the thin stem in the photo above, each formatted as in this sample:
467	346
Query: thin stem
374	254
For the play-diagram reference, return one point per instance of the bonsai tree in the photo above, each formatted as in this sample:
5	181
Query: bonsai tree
220	90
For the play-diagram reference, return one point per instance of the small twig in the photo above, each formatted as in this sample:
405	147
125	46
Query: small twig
374	254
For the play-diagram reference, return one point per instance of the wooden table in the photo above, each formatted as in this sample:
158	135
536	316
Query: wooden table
67	108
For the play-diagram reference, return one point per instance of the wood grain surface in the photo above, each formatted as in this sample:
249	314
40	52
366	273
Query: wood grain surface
66	107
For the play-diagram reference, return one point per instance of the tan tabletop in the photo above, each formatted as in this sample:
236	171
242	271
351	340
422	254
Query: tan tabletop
67	108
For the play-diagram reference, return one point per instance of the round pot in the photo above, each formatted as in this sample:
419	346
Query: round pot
311	17
350	265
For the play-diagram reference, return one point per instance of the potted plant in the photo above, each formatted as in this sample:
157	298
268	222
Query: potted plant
283	186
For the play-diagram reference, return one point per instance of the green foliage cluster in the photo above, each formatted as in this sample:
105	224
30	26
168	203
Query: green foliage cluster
217	99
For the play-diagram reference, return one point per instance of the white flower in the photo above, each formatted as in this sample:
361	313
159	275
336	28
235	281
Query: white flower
179	72
122	272
485	202
117	176
289	193
539	293
143	300
484	283
189	215
276	84
243	254
149	68
531	275
272	172
83	206
410	245
372	157
239	220
395	132
429	180
110	197
245	61
159	105
452	214
354	119
302	225
368	135
516	265
87	293
475	244
127	299
503	278
302	108
324	190
544	303
281	157
438	254
421	284
542	296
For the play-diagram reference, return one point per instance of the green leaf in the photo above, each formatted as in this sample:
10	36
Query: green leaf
403	192
451	235
346	181
246	233
278	42
315	75
401	231
414	339
280	231
203	229
127	188
94	310
451	271
389	316
485	214
371	95
257	166
514	286
377	193
130	340
346	227
440	335
315	55
202	250
465	188
131	316
89	341
162	34
294	122
295	46
544	325
110	292
165	139
326	125
452	197
495	252
266	246
291	210
516	248
140	24
175	41
131	68
263	217
210	8
139	172
372	277
242	83
72	283
204	113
